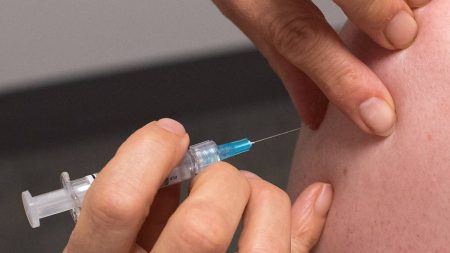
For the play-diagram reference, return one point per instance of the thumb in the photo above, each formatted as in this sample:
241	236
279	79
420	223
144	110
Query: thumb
309	214
390	23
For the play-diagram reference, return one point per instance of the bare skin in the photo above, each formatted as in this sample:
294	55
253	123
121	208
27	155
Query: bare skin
314	64
391	194
138	218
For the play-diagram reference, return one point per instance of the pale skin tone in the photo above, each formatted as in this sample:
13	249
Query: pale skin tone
315	67
124	212
391	194
314	64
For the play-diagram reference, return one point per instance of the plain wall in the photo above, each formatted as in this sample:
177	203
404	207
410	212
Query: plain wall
53	39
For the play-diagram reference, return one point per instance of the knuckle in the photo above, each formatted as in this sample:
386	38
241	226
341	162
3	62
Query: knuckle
345	85
375	10
375	17
113	209
295	33
205	228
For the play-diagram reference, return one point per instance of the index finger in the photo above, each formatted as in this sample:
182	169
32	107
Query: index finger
267	218
208	218
295	38
119	199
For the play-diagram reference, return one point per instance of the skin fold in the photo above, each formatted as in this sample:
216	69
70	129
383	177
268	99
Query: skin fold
391	194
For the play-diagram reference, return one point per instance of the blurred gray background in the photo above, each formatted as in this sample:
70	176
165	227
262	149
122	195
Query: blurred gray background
77	77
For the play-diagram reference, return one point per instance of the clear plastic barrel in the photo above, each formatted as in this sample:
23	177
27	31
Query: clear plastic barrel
198	157
71	196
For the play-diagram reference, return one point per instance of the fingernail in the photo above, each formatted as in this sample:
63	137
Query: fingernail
172	126
378	116
323	202
401	30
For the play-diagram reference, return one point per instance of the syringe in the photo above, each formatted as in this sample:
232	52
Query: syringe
70	196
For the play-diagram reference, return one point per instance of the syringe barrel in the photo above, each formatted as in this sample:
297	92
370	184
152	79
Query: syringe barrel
71	196
198	157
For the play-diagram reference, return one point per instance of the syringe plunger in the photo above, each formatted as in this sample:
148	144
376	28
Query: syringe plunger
68	198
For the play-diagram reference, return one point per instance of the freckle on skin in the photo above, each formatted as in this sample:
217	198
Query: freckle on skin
429	137
344	172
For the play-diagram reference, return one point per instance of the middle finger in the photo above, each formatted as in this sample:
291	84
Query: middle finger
267	218
208	218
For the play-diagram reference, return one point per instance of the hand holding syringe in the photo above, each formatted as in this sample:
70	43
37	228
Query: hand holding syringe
71	196
123	211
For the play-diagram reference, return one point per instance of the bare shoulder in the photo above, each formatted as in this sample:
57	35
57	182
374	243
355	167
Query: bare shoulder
392	194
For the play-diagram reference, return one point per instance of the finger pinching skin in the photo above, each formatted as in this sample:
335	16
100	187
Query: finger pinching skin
296	39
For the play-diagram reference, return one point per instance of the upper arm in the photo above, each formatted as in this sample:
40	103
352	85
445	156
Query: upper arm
391	194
